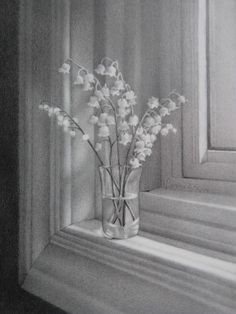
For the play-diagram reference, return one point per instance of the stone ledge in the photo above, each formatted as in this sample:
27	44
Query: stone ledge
207	284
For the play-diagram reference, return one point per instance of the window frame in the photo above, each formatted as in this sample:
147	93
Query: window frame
188	165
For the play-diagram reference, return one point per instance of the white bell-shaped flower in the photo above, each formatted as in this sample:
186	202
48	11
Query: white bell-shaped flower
130	95
93	102
181	99
103	117
141	156
139	131
122	103
157	119
65	68
111	71
153	102
119	85
163	111
105	90
99	95
89	77
148	122
123	126
122	112
156	129
134	162
133	120
104	131
171	105
125	138
111	120
100	69
164	131
93	119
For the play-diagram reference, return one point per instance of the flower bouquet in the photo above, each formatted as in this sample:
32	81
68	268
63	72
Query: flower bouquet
123	142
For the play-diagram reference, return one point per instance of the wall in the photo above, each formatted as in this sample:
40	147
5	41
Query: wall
129	31
8	141
12	298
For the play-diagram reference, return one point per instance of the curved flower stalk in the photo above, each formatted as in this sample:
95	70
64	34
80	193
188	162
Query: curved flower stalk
113	102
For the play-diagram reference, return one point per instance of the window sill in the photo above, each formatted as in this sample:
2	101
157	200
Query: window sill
82	272
200	222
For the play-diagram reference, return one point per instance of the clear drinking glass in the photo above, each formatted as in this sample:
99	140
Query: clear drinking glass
120	201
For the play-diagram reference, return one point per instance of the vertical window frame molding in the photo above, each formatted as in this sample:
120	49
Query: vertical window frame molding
58	218
25	142
191	166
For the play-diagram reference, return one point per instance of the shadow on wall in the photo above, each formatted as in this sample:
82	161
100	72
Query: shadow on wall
12	298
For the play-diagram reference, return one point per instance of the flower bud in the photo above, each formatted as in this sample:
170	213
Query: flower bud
85	137
164	131
72	133
79	80
139	131
98	147
50	111
66	122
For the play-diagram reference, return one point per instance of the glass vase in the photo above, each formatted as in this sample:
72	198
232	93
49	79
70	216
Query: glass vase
120	201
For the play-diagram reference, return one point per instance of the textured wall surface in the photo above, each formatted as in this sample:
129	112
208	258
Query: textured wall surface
129	31
13	300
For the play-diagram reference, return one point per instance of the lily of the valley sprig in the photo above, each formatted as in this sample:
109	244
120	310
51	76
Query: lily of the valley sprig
113	103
